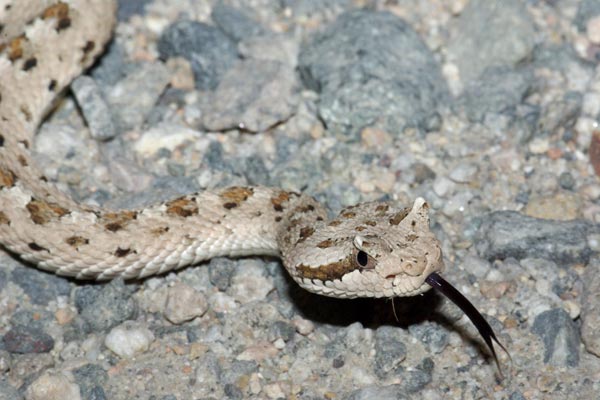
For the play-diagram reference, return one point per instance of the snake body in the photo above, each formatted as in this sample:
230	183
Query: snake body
369	250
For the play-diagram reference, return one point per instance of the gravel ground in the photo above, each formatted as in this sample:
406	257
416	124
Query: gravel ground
486	108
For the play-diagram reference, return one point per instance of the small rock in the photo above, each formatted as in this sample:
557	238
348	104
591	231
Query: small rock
221	271
498	91
53	386
164	136
464	173
390	351
482	40
560	336
41	288
250	283
8	392
430	334
208	49
91	378
105	306
504	234
374	137
234	22
593	29
258	352
5	361
95	110
133	98
566	180
493	289
184	303
303	326
443	186
590	305
255	104
390	392
128	339
27	339
561	207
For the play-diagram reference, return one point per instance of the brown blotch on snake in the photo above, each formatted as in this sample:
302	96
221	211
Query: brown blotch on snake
160	231
36	247
325	244
237	194
76	241
41	212
29	64
116	221
305	233
7	177
4	220
399	217
278	201
182	207
329	272
22	160
15	48
122	252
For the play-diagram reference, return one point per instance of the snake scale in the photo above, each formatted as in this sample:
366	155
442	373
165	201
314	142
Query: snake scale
369	250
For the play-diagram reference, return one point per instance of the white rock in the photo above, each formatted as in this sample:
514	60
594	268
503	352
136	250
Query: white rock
128	339
593	30
53	386
165	135
184	303
222	302
250	283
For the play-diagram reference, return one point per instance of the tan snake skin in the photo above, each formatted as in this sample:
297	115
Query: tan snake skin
370	250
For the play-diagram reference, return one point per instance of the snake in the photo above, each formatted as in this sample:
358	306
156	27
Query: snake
373	249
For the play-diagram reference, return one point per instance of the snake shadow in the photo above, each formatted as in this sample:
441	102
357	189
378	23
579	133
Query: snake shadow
400	312
371	313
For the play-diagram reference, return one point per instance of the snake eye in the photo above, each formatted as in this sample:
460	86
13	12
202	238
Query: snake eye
362	258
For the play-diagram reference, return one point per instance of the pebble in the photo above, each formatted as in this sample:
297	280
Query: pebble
129	339
591	301
184	303
27	339
560	336
254	105
249	282
95	110
40	289
132	99
210	51
505	234
463	173
394	69
390	351
235	23
103	307
481	39
561	207
593	30
53	386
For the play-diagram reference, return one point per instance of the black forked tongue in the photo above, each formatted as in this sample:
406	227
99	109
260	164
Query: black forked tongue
485	330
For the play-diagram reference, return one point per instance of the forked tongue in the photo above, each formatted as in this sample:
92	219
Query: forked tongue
485	330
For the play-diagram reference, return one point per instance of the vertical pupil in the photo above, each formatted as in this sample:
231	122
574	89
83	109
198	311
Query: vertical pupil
362	258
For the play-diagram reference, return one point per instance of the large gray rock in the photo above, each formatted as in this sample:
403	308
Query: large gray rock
372	68
490	33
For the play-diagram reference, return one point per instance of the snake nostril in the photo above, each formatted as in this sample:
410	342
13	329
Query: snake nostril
391	276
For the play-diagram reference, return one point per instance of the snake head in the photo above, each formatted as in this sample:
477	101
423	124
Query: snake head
369	250
402	254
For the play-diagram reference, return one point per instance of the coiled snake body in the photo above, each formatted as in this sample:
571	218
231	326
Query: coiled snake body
369	250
